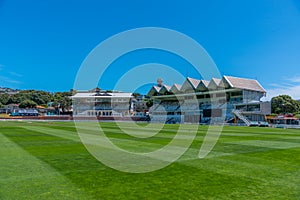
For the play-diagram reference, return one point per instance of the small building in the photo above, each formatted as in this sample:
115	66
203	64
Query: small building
10	108
284	119
25	112
4	111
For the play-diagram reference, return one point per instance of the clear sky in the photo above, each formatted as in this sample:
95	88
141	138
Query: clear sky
43	43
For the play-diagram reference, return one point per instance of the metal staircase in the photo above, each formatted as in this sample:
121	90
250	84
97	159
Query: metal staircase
242	117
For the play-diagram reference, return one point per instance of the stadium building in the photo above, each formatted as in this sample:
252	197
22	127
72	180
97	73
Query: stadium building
102	104
229	99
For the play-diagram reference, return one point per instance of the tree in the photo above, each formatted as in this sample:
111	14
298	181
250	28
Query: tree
28	104
283	104
62	100
4	98
19	97
1	105
41	97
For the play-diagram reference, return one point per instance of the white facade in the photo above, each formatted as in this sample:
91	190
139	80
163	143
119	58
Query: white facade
102	104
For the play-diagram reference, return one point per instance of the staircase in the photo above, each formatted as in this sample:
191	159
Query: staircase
242	117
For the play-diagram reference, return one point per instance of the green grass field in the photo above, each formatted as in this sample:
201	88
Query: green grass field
46	160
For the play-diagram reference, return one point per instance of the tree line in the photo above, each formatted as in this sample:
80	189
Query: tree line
33	98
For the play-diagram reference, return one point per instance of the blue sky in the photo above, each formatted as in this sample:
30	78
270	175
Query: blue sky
43	43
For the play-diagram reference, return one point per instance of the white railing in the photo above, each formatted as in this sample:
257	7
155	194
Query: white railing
242	117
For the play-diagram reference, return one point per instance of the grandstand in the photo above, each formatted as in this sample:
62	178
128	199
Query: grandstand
101	103
229	99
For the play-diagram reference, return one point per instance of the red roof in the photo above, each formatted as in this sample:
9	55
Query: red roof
281	117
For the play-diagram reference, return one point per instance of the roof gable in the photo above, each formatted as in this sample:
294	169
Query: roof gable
175	88
224	83
190	84
164	89
202	86
154	89
214	83
194	82
243	83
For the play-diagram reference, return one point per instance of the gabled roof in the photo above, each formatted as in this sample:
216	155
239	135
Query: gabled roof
227	82
154	89
243	83
164	88
175	88
96	89
194	82
205	82
214	83
224	83
202	86
190	84
216	80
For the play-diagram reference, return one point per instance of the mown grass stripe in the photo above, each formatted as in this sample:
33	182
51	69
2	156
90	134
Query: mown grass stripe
26	176
267	144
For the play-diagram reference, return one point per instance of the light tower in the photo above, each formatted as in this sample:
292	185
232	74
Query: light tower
159	82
